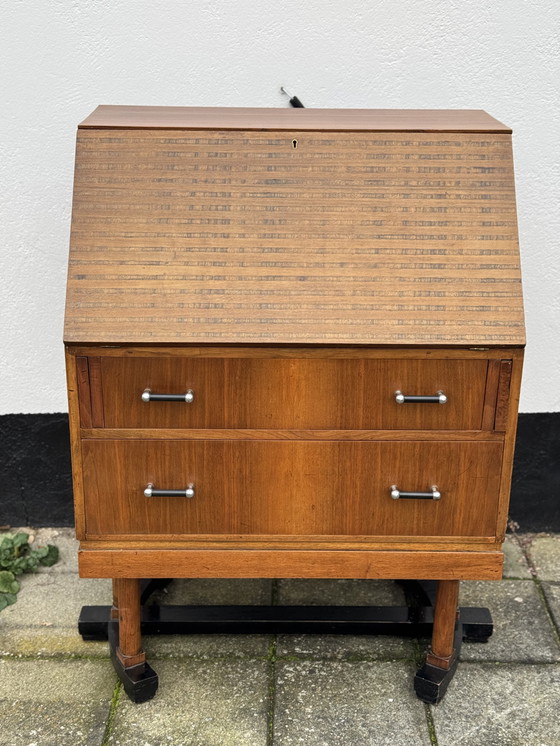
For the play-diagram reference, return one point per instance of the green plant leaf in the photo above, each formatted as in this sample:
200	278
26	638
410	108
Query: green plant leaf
21	543
7	599
51	556
8	582
31	563
19	565
17	557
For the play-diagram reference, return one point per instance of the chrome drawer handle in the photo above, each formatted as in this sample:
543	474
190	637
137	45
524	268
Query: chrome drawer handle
187	397
439	398
397	494
151	491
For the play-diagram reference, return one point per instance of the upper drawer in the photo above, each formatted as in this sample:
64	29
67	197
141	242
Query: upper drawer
290	393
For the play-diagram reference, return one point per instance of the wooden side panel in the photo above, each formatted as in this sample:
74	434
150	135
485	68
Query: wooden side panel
238	237
177	563
291	488
72	378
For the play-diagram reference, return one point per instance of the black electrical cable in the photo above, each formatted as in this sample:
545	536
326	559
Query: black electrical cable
294	100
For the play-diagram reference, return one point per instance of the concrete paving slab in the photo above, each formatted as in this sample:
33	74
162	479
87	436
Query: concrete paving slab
199	704
54	703
545	554
44	619
522	629
344	647
206	647
340	704
500	705
515	562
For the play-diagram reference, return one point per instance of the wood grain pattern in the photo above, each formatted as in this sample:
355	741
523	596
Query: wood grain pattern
267	434
232	118
84	391
489	411
129	650
185	563
502	402
278	541
302	488
292	394
338	352
509	445
96	387
238	237
75	441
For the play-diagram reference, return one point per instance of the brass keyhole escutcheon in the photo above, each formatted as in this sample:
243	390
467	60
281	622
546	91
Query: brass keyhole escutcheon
294	144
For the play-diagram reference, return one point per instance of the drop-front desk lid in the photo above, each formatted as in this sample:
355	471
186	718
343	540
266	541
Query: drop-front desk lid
293	226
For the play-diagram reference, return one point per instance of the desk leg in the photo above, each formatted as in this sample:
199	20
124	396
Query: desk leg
445	617
125	638
433	678
126	592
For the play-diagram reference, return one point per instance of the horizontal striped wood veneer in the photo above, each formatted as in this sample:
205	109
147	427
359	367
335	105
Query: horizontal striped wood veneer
294	237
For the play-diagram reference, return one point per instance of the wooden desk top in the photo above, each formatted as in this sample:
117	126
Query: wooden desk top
231	118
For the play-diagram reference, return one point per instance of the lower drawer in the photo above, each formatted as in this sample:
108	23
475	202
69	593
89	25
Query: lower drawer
334	488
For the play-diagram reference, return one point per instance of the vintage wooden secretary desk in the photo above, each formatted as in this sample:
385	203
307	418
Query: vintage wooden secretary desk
294	344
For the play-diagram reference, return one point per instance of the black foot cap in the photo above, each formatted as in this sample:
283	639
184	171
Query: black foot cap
431	682
140	682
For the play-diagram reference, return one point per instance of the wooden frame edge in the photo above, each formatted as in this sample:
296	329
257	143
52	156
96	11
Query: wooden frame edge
75	444
286	563
303	351
509	446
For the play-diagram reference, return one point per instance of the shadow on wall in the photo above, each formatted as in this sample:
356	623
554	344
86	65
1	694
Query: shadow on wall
36	478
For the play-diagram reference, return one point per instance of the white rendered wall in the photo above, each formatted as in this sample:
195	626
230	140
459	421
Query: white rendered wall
59	59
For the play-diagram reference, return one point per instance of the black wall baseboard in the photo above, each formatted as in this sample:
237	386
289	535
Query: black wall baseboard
35	473
36	483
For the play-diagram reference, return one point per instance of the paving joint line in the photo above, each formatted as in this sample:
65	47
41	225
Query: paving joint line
53	657
548	610
272	657
271	692
431	725
525	545
112	713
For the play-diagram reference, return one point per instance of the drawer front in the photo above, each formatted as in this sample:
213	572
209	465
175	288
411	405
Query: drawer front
291	488
290	393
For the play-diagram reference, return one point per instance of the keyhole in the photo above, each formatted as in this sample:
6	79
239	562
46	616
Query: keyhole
294	144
